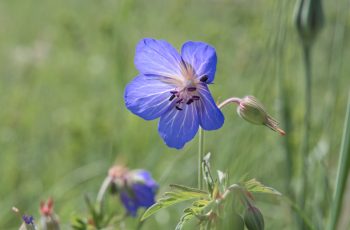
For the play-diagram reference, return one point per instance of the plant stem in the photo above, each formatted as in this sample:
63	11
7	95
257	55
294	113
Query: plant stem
200	157
228	101
307	120
342	173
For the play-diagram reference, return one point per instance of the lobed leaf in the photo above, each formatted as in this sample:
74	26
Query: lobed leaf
181	193
255	186
184	218
193	191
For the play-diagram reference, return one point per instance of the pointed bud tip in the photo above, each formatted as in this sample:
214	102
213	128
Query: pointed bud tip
282	132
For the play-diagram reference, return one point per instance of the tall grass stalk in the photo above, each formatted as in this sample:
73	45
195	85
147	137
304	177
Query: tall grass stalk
342	173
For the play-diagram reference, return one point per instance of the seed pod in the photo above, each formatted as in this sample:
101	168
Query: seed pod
254	219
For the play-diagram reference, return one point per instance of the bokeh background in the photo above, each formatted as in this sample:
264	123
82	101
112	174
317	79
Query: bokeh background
63	69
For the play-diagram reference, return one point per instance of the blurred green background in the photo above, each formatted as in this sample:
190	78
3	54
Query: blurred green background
63	123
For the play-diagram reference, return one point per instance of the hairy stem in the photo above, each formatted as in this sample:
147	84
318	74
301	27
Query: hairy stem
235	100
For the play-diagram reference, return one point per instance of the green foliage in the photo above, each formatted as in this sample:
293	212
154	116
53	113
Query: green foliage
342	173
216	208
180	194
184	218
255	186
97	218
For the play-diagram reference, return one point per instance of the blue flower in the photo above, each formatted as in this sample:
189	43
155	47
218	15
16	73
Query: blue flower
139	191
174	87
28	219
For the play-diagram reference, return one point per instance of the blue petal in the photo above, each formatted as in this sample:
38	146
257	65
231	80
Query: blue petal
210	116
202	58
144	195
178	127
157	57
140	192
130	204
145	177
148	96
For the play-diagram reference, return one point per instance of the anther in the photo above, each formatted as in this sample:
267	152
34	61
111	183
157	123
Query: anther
172	97
195	97
191	89
178	108
189	101
204	78
173	92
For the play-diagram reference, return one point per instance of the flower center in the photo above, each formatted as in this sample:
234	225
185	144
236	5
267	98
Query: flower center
187	93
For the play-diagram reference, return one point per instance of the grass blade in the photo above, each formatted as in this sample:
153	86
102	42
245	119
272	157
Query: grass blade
342	173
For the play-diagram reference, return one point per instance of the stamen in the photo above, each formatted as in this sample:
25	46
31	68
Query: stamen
204	78
172	97
191	89
178	108
195	97
189	101
173	92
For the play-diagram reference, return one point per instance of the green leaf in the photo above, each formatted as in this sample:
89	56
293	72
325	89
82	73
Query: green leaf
184	218
181	193
79	224
207	172
193	191
255	186
198	209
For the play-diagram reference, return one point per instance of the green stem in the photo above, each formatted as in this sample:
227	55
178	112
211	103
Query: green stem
200	157
307	120
235	100
342	173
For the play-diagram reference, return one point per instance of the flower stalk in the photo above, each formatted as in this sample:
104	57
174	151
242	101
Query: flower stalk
200	157
307	123
235	100
309	20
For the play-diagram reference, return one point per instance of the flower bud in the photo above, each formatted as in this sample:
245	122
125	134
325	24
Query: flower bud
253	218
49	220
308	19
251	110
